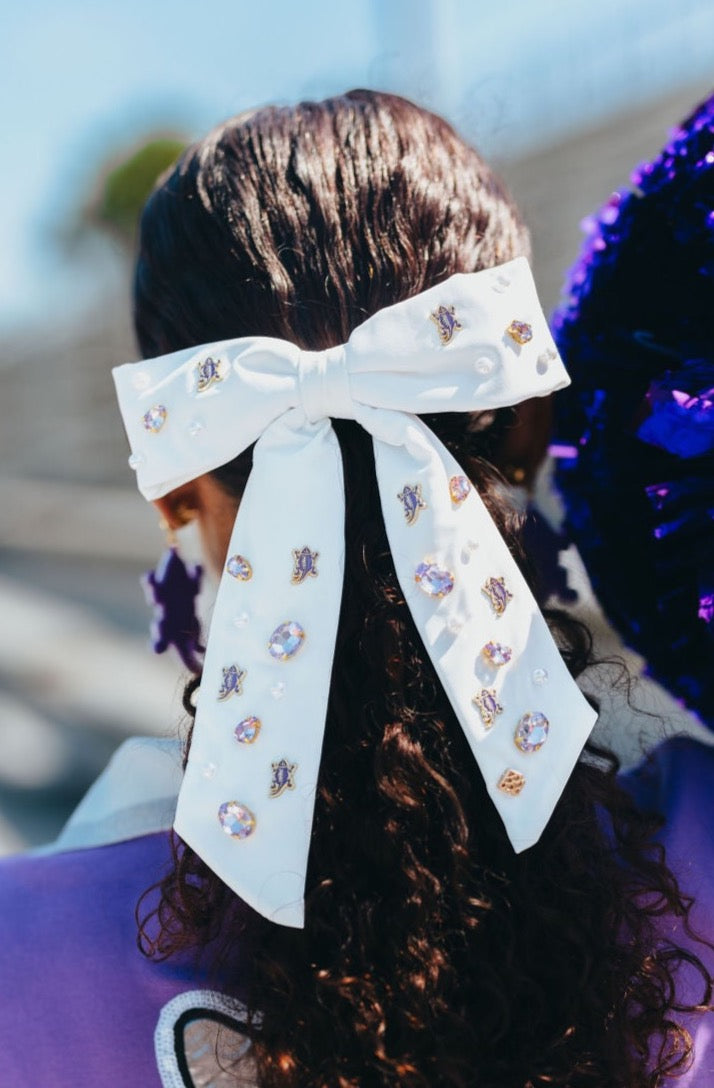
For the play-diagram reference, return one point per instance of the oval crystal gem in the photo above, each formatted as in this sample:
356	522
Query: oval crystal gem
433	580
240	568
286	640
247	730
459	488
236	820
155	418
532	731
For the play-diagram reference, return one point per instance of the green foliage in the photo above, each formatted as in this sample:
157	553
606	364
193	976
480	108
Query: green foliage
128	185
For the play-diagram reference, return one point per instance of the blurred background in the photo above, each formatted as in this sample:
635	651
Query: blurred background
97	98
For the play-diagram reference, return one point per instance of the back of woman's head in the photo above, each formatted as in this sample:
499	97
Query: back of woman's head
432	954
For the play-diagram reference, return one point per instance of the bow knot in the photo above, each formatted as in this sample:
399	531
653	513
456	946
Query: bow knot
324	385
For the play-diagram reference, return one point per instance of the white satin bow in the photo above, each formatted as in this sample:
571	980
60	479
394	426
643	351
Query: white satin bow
477	341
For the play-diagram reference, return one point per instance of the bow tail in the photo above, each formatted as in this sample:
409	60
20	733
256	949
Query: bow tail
525	719
246	803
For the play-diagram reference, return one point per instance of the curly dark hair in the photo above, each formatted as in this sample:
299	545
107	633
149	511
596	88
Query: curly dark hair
432	954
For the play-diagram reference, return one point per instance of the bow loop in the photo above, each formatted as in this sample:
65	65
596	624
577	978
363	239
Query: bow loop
323	384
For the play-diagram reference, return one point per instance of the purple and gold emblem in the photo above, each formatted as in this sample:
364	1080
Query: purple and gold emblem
520	331
496	654
488	706
498	595
446	322
209	372
304	567
412	501
232	684
511	782
283	777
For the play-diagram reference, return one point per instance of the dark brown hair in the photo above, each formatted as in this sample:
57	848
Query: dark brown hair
432	954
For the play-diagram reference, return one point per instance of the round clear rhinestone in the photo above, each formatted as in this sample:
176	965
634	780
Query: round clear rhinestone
484	365
543	362
278	690
236	820
155	418
241	620
136	460
240	568
195	427
286	640
141	381
247	730
532	731
208	770
433	580
454	625
539	676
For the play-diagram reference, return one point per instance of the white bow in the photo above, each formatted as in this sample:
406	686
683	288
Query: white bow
477	341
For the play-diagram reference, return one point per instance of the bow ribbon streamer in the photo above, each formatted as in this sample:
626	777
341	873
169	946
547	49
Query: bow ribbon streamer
191	411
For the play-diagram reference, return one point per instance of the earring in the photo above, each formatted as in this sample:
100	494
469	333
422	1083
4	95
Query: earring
172	590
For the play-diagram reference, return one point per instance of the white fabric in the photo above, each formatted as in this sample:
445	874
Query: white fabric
134	795
394	366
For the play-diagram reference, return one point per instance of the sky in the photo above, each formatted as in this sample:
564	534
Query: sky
81	82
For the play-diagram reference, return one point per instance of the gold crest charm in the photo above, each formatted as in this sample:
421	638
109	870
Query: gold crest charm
488	706
498	595
512	782
446	322
283	777
304	567
412	501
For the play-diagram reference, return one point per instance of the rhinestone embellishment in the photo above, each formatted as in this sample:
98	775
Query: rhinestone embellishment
520	331
304	565
232	684
155	418
283	777
496	654
412	501
136	460
512	782
209	372
240	568
446	322
236	820
498	595
286	640
432	580
247	730
459	488
532	731
539	676
488	706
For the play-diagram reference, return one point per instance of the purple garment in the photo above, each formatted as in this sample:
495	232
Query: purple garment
80	1002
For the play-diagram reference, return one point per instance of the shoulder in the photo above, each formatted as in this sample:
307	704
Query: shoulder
78	998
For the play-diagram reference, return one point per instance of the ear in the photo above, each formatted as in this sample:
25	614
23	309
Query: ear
179	507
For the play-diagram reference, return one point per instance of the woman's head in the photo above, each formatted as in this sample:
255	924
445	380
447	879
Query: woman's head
426	937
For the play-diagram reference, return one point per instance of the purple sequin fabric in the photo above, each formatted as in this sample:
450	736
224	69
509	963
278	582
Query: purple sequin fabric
636	330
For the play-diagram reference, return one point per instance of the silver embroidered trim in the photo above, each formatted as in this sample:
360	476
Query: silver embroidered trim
164	1049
